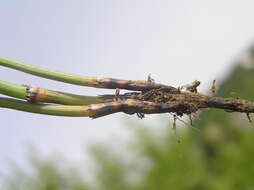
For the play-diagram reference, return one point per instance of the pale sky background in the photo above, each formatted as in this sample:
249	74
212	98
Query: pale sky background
176	41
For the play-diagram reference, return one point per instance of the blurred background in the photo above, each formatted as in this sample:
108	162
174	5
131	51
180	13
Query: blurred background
176	42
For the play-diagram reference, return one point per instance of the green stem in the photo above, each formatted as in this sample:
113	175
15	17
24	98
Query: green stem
49	74
12	90
56	110
48	96
71	99
97	82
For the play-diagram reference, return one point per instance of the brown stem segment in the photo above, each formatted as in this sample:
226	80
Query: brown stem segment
236	105
135	85
131	106
157	101
180	104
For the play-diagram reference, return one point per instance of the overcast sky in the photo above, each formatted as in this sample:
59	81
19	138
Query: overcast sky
176	41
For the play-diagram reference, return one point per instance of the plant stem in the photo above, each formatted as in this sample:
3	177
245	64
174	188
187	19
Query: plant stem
13	90
36	94
179	104
56	110
97	82
46	73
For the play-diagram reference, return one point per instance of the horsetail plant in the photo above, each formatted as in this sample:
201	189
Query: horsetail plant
148	97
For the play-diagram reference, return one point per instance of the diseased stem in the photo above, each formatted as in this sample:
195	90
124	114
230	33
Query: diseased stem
129	106
231	104
96	82
182	104
153	98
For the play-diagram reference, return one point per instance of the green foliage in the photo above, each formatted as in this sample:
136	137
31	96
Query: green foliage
45	175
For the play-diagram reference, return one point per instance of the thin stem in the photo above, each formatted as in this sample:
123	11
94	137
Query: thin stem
36	94
83	80
56	110
46	73
129	106
179	104
13	90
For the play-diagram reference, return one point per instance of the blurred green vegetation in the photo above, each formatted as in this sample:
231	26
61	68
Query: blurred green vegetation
218	155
